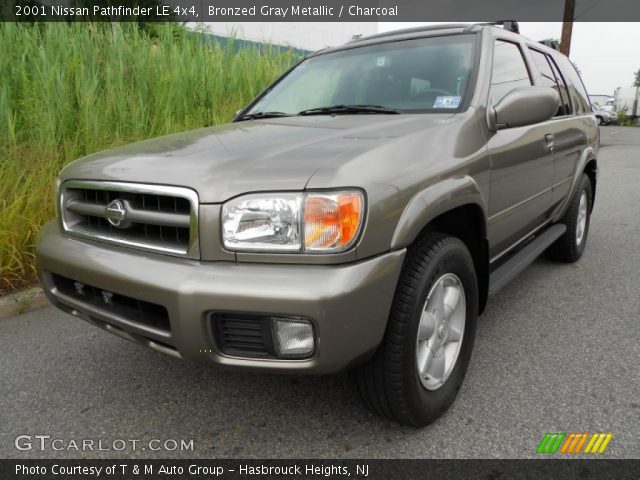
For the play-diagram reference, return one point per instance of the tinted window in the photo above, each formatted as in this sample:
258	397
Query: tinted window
564	90
509	70
552	79
425	74
542	64
576	87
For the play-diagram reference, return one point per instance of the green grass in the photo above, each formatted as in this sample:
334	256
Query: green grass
70	90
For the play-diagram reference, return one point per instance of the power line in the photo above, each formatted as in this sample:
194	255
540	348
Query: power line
587	9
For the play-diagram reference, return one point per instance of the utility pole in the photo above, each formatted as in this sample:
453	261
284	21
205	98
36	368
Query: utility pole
567	26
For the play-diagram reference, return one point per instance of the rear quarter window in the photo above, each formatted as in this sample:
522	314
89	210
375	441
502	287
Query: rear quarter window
550	77
577	90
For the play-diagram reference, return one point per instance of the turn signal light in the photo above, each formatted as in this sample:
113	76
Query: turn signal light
332	221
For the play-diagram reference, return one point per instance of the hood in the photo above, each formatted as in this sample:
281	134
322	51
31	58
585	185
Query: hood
229	160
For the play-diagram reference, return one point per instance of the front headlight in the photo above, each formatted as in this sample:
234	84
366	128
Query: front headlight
316	222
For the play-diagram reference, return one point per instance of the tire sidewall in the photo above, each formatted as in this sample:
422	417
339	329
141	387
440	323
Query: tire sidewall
453	258
585	186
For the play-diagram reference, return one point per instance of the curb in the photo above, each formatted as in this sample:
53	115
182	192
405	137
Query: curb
22	302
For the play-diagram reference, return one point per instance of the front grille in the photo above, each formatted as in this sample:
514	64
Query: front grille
243	335
139	311
150	217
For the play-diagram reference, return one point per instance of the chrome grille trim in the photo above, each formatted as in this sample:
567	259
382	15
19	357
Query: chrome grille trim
69	205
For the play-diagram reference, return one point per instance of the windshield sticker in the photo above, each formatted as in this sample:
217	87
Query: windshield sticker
446	102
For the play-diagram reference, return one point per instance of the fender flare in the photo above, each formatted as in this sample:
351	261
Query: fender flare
587	155
432	202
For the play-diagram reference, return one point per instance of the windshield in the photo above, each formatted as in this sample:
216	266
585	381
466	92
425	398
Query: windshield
421	75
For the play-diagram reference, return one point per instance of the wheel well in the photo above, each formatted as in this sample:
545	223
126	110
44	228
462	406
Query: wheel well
468	224
591	169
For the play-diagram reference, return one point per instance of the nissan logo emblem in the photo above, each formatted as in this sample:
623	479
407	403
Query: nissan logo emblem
115	213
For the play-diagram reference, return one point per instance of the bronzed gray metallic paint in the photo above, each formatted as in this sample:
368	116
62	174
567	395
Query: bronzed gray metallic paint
348	303
412	167
524	106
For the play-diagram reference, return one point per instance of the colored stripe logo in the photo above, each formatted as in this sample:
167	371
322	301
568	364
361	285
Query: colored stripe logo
574	443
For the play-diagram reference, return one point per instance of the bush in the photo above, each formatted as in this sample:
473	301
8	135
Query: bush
625	120
72	89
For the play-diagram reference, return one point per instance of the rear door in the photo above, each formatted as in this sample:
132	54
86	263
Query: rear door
521	162
568	136
575	132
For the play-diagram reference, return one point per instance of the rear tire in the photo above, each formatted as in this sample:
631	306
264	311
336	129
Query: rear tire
570	246
418	369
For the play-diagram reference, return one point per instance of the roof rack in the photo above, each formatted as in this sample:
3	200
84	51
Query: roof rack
509	25
405	31
550	43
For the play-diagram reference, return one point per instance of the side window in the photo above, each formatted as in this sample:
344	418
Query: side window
550	79
509	70
564	91
576	87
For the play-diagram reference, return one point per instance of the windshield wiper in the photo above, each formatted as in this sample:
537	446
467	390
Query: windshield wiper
256	115
349	109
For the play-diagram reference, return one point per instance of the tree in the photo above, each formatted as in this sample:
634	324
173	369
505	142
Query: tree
575	65
636	82
552	43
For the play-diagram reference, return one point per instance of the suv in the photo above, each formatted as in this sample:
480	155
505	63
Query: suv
356	215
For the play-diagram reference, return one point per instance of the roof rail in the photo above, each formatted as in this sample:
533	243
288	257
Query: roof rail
551	43
404	31
509	25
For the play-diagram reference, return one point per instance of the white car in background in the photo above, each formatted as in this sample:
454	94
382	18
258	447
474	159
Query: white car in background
605	117
602	102
608	105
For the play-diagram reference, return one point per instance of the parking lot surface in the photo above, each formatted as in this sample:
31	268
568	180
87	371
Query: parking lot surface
557	350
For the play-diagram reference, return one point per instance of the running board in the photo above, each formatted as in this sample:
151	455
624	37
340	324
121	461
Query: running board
521	260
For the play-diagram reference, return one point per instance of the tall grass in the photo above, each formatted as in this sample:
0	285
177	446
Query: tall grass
69	90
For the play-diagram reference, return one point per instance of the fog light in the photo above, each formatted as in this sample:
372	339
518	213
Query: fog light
292	338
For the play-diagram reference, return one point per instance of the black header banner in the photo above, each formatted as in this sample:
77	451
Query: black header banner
315	10
129	469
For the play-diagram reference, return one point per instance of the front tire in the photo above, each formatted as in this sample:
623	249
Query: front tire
570	246
418	369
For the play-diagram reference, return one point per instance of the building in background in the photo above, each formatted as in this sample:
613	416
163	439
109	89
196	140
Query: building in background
307	36
627	100
602	101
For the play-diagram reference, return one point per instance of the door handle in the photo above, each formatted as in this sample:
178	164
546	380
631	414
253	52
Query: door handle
548	138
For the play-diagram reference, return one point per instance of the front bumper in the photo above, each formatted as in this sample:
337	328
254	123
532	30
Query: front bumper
349	304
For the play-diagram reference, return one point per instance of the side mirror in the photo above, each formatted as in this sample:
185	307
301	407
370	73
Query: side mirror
524	106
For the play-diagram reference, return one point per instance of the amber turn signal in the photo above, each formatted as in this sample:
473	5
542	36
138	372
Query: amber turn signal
332	221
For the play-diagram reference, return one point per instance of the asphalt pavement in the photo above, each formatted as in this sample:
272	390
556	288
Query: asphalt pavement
557	350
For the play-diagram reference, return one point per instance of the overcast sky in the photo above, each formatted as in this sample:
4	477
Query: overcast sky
607	54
